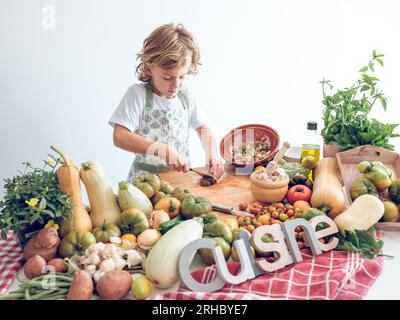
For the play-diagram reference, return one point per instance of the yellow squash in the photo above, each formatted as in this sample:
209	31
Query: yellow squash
69	180
103	203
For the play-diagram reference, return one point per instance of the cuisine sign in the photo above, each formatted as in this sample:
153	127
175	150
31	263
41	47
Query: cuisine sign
284	246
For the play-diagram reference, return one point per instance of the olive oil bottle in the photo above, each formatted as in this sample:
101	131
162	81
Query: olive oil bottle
311	145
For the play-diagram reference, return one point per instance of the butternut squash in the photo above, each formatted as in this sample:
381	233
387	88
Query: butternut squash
328	194
69	180
103	203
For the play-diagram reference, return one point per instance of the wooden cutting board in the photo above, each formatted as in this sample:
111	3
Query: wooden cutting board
231	191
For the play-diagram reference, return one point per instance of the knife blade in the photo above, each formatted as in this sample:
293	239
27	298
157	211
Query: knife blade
230	210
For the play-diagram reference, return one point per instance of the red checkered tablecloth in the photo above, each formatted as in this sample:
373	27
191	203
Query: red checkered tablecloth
333	275
10	261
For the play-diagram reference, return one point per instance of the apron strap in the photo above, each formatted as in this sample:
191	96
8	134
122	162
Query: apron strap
183	99
149	96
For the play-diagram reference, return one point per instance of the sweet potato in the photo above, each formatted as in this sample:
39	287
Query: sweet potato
47	238
58	264
81	286
40	243
34	267
114	285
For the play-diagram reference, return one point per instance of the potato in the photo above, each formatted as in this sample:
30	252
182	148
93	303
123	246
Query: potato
81	286
39	245
47	238
114	285
34	267
58	264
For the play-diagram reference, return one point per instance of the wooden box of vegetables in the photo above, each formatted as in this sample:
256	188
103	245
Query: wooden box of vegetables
373	170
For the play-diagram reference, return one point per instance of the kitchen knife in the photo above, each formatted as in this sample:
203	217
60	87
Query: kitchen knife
230	210
205	175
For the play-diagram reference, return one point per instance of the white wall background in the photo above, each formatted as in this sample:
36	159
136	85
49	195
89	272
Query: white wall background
262	62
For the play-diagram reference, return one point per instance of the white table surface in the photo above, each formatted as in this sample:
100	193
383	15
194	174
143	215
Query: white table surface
386	287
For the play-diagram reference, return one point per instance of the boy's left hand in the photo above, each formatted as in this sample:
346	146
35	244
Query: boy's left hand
215	167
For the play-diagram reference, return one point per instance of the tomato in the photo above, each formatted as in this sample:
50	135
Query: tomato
299	192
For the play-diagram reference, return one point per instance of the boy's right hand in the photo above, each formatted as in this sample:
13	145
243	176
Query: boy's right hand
175	160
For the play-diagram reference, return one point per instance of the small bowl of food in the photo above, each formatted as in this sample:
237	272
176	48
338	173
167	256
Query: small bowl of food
269	187
249	145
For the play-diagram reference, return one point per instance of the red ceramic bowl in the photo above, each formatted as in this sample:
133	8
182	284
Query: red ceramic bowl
245	135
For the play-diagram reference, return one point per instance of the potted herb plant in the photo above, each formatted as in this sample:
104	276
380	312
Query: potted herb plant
346	113
32	198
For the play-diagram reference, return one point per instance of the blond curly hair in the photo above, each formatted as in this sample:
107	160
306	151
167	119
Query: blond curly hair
168	46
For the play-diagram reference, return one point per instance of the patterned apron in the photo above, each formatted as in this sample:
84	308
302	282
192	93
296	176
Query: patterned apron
166	126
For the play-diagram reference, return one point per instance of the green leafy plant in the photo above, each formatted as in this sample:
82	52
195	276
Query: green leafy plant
345	115
363	242
33	197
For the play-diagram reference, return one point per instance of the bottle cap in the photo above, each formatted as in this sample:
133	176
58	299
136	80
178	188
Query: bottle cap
312	125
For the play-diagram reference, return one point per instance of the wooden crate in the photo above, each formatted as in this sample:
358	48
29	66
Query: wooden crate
348	162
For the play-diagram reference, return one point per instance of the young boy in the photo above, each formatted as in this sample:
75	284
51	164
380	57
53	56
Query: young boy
154	117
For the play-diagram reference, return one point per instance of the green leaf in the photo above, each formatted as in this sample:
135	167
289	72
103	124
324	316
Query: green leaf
4	234
374	53
380	61
371	66
363	69
384	103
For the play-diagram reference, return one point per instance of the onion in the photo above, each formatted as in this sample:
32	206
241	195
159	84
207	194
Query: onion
147	239
157	217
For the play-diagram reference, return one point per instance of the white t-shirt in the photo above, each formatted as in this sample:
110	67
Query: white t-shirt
130	109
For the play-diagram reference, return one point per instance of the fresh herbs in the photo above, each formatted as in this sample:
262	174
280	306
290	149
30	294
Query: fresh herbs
345	115
361	241
33	197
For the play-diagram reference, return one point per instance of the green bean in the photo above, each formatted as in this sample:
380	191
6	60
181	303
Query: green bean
62	294
27	295
15	295
43	294
56	297
52	284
